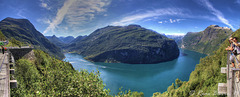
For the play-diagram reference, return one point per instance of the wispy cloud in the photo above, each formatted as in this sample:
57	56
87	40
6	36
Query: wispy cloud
20	13
216	12
171	21
76	13
44	5
148	14
60	15
238	1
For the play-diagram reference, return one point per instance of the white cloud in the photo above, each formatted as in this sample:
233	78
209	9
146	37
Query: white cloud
76	13
178	20
105	15
148	14
44	5
160	22
60	15
20	13
216	12
238	1
45	21
171	21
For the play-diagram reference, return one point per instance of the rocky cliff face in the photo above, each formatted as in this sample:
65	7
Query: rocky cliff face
129	44
206	41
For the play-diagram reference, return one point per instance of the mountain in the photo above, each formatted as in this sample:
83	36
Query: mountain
79	38
24	31
206	41
55	40
177	38
128	44
203	81
67	39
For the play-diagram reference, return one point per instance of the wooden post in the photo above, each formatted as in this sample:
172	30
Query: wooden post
13	83
12	71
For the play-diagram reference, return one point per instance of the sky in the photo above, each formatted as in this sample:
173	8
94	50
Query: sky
82	17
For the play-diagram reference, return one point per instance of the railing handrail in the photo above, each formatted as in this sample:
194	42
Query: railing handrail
233	69
2	62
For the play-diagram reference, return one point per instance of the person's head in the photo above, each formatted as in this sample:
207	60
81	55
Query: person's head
230	40
235	39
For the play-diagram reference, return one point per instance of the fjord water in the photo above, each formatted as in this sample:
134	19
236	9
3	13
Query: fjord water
146	78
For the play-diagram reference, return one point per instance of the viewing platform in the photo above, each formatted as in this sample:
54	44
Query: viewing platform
232	87
7	65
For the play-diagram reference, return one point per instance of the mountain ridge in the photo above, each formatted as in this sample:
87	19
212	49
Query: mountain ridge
23	30
206	41
127	44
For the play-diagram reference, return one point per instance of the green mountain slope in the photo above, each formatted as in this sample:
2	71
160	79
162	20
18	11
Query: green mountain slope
128	44
205	41
79	38
22	30
67	39
55	40
205	78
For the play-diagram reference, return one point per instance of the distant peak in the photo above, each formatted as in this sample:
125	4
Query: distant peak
9	18
218	27
134	25
213	26
20	21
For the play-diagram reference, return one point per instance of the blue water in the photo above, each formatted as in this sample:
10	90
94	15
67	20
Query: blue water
146	78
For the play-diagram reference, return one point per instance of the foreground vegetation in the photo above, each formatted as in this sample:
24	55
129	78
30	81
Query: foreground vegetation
204	79
47	76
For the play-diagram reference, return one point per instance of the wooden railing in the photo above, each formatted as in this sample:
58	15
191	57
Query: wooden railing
232	87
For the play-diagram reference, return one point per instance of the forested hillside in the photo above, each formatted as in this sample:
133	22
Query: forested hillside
206	76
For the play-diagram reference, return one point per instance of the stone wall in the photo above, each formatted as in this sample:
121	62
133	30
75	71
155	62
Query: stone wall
19	53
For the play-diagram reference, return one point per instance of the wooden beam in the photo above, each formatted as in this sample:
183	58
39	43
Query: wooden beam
223	69
13	83
222	88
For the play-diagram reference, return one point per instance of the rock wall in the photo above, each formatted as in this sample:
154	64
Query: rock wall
19	53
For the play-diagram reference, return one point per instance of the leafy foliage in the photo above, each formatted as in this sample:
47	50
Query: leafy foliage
2	37
13	42
48	76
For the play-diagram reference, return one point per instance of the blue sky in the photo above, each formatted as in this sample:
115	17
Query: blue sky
82	17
